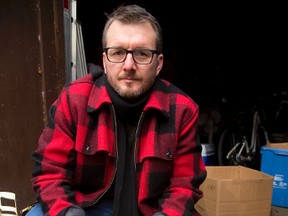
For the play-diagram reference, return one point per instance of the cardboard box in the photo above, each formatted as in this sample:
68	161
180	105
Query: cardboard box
274	161
235	191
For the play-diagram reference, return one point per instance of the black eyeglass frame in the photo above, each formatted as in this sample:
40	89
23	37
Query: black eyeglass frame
131	51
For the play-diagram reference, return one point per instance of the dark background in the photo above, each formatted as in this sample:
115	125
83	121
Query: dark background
213	51
209	48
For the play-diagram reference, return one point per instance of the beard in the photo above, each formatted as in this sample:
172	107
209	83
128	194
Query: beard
128	90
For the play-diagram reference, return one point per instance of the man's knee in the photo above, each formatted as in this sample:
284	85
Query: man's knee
34	211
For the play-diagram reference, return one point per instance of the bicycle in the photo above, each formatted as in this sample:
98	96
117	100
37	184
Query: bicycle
241	142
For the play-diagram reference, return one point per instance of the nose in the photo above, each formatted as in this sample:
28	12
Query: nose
129	62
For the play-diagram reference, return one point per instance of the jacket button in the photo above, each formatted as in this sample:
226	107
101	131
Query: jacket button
169	155
88	148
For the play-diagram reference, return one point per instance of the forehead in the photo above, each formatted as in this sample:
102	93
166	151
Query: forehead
134	34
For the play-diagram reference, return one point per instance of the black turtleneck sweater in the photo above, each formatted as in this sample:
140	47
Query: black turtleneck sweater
124	186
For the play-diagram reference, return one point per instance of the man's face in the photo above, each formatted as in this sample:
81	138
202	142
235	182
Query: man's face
128	78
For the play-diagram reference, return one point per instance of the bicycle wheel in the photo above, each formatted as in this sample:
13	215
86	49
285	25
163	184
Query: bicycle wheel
228	139
261	140
258	139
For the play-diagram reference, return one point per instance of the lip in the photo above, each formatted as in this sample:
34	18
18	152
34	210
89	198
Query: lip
129	79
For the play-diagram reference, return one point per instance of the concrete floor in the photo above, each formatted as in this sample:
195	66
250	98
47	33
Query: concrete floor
279	211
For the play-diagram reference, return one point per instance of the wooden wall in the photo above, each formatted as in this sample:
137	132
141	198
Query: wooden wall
32	73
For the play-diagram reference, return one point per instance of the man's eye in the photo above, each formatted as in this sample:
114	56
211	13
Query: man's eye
119	52
141	53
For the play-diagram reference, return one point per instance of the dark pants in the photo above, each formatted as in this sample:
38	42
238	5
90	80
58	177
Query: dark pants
103	208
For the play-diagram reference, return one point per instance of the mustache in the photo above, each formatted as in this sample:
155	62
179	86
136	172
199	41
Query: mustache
129	75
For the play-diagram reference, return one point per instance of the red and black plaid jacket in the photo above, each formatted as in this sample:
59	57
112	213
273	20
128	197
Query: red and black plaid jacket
76	158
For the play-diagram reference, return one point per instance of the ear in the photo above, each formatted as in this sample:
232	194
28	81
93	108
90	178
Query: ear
160	60
104	61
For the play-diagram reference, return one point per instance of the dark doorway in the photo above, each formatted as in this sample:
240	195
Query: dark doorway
211	51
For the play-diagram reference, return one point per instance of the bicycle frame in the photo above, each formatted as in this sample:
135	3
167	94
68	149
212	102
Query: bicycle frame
239	155
241	152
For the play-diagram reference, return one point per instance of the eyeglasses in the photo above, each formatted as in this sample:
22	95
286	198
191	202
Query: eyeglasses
140	56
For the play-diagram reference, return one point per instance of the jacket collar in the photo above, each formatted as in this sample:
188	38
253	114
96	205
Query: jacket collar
158	100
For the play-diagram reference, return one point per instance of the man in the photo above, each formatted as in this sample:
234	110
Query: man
123	141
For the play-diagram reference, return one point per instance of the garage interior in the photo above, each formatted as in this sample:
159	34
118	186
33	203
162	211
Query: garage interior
219	54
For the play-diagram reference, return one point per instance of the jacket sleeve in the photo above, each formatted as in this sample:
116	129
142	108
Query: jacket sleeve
54	159
188	171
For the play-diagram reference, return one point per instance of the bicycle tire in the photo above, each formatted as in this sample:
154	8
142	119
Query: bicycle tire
262	139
